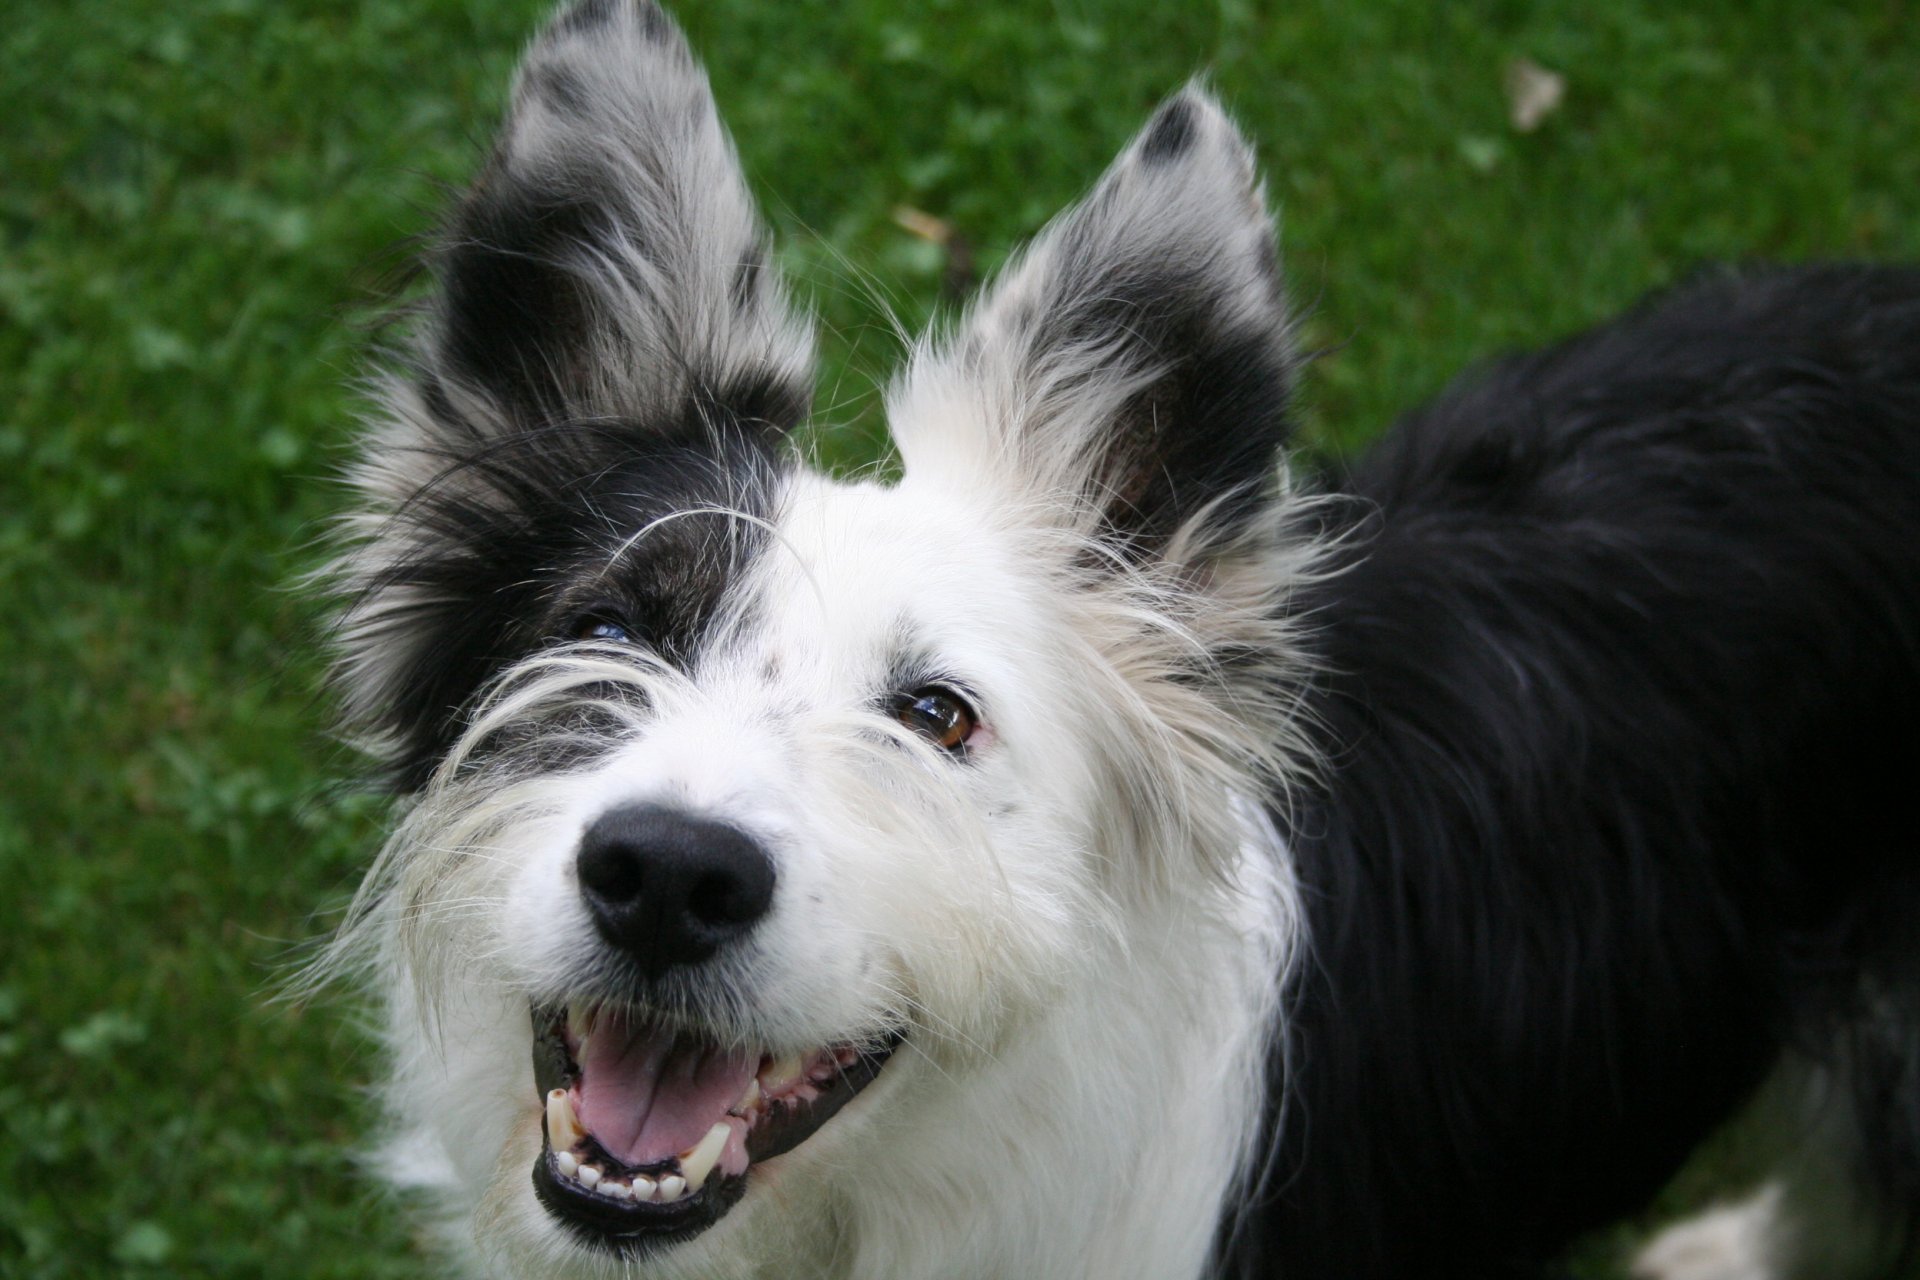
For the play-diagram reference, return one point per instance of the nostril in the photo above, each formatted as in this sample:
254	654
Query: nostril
671	888
610	869
723	900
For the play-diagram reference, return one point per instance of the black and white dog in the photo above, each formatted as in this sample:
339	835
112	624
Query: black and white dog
1102	853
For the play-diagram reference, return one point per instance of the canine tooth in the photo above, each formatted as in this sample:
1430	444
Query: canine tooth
644	1187
580	1019
672	1187
563	1131
781	1072
589	1176
565	1163
698	1163
749	1097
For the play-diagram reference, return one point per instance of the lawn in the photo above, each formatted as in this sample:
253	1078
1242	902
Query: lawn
200	205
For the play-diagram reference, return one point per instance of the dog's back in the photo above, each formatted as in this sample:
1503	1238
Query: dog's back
1620	694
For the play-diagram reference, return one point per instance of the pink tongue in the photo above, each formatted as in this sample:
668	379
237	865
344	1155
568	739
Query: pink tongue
647	1094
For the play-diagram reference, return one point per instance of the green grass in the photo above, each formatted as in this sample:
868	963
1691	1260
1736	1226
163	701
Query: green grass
198	201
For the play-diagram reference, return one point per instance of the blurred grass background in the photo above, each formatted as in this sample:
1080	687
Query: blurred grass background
198	203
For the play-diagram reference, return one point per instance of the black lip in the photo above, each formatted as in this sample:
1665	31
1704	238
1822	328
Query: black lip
787	1129
631	1229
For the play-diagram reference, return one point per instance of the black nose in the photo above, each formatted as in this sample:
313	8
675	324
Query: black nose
669	888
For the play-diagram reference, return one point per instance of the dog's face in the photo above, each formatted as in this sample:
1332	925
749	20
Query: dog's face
739	793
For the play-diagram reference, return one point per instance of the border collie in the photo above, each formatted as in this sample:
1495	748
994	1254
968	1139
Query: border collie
1104	852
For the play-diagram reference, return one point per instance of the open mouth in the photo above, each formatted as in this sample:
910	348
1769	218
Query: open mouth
650	1131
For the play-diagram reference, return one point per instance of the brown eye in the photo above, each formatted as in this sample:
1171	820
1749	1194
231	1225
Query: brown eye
937	714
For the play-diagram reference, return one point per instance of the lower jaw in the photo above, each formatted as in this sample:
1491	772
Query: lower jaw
631	1231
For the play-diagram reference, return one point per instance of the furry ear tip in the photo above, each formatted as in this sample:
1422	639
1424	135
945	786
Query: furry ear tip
595	58
1188	125
597	18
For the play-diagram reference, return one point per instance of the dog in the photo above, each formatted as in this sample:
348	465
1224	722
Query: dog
1110	849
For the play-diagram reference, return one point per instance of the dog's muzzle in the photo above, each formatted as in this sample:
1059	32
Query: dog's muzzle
651	1128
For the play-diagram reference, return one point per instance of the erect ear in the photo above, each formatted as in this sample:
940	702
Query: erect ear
608	263
606	343
1136	357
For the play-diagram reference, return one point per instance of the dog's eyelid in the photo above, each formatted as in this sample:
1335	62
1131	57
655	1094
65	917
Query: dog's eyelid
602	620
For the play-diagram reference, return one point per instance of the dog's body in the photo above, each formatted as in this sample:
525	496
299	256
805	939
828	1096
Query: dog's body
1183	871
1621	673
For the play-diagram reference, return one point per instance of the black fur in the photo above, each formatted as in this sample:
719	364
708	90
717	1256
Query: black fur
1169	133
1622	680
511	535
517	538
1173	451
518	320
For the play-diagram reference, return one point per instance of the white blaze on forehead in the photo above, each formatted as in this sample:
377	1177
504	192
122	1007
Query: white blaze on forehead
858	587
861	577
709	754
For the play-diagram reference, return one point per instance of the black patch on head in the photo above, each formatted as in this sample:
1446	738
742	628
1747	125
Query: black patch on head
1171	132
516	540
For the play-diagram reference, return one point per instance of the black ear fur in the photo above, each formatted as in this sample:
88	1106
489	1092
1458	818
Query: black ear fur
609	262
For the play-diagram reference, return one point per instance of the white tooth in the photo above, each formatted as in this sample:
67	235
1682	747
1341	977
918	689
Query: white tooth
644	1187
618	1190
565	1163
589	1176
780	1073
750	1098
698	1163
563	1131
672	1188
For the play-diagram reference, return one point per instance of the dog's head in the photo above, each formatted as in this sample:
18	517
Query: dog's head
735	790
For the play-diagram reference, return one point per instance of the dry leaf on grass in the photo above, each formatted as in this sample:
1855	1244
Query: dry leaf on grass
1533	93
